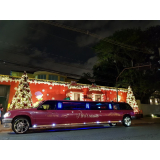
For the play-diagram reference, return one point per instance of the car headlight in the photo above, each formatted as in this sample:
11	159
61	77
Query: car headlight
7	114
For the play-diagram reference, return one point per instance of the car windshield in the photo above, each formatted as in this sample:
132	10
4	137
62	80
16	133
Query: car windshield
35	105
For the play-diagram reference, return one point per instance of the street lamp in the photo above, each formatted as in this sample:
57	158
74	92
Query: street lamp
123	71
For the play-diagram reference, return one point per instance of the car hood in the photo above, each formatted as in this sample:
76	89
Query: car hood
22	110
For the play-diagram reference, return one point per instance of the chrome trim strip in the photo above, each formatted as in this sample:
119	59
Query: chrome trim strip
73	124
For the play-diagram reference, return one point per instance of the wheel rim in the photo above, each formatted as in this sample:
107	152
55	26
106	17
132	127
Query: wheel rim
113	124
21	125
127	121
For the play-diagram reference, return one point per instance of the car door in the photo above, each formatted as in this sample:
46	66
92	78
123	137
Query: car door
117	112
125	108
44	113
108	113
92	113
65	112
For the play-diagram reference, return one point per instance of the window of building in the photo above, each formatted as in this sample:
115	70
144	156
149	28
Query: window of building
62	79
77	96
97	97
53	77
42	76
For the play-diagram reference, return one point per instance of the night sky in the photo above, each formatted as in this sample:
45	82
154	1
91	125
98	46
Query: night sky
37	44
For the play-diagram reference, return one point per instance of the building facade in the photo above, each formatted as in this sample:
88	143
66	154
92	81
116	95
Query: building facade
42	89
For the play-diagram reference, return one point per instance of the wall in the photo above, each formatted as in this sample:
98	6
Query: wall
139	104
150	109
57	90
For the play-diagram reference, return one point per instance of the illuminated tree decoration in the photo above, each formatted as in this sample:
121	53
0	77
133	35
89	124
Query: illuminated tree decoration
131	100
22	98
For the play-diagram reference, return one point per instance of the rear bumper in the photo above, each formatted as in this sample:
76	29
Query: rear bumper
7	122
137	116
133	117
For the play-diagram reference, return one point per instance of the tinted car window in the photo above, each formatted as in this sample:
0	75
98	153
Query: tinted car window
116	106
100	106
83	106
128	107
71	106
125	106
49	105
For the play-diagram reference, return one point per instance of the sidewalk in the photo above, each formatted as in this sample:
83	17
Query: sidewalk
4	129
145	120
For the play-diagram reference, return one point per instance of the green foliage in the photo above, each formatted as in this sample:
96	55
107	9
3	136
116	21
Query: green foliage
112	59
84	78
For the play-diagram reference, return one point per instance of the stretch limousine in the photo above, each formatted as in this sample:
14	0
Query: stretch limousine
55	113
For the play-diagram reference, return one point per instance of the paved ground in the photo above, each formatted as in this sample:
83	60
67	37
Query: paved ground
146	128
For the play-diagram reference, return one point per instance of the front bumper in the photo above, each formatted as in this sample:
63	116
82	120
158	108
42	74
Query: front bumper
7	122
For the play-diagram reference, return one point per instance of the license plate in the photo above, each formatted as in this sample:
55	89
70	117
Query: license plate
7	125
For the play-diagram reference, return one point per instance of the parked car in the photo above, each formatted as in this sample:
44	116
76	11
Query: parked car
54	113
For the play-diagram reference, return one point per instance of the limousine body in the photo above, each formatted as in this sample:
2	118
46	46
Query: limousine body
55	113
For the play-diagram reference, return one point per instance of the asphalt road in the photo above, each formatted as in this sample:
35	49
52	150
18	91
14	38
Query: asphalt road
135	132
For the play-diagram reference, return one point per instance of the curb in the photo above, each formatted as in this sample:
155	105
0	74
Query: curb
144	123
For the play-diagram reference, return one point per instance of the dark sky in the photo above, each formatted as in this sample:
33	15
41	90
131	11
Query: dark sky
34	43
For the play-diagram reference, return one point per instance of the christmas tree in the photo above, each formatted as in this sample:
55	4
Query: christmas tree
131	100
22	98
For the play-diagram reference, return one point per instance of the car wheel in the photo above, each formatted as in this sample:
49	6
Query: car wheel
127	121
20	125
112	124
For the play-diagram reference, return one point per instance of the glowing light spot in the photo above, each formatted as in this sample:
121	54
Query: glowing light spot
87	105
50	87
34	126
53	124
110	106
43	90
59	105
47	94
109	121
98	122
84	123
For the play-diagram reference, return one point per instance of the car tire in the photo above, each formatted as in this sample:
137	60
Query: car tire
20	125
127	121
